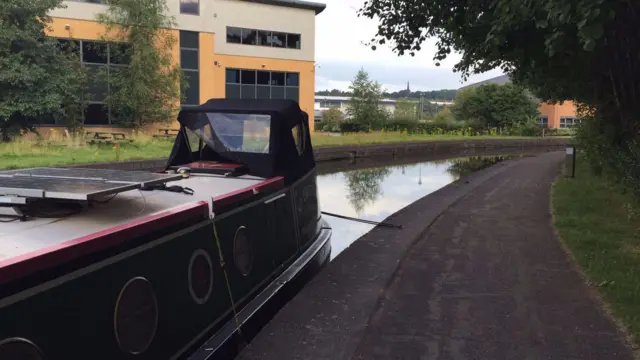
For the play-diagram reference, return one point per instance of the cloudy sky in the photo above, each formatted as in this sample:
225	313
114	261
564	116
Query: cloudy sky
340	53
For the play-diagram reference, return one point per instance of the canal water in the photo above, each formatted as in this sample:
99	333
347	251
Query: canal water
377	192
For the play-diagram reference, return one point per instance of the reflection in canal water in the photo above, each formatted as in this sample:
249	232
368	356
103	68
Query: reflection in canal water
376	193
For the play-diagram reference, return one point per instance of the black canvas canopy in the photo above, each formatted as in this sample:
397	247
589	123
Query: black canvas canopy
268	137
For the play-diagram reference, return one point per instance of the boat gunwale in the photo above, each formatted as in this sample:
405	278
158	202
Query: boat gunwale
54	255
233	197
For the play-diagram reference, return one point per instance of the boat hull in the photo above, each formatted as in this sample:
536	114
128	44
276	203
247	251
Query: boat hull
164	287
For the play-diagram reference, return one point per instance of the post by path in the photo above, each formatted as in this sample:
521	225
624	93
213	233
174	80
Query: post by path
488	279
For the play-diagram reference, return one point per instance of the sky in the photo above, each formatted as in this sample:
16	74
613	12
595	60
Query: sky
341	52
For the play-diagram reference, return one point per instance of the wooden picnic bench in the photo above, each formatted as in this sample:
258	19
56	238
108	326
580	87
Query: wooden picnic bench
167	132
105	137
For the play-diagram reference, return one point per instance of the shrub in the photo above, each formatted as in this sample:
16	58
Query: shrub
332	116
349	127
530	127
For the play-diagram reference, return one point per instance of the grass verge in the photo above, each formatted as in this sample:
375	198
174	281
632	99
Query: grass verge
30	154
324	139
21	154
598	224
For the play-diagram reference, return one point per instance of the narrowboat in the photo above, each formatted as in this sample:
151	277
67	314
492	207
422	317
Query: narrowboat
111	264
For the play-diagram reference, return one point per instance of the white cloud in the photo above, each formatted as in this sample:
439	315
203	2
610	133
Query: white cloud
340	51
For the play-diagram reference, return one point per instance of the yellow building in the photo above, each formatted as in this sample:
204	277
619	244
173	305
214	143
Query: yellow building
226	48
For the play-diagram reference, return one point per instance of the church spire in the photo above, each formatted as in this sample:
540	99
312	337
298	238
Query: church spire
408	87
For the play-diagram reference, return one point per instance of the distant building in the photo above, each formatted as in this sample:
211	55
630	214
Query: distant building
323	103
231	49
553	116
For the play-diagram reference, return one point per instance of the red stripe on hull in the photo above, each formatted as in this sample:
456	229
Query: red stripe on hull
20	266
206	165
272	184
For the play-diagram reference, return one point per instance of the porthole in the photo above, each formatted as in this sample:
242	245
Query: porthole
19	349
243	252
200	276
136	316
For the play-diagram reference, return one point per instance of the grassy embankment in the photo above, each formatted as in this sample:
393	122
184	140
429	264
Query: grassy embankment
601	227
29	153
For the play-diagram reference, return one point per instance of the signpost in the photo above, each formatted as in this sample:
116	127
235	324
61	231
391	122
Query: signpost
570	161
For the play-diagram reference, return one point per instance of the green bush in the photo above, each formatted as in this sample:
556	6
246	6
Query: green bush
351	127
559	132
530	127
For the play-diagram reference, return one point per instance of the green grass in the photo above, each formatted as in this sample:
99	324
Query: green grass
30	154
20	154
320	139
598	224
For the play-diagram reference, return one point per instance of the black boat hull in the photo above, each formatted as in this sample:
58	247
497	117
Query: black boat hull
166	285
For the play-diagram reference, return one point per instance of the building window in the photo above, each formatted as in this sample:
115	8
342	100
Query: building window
91	1
190	7
236	35
190	64
544	122
258	84
100	59
329	105
569	121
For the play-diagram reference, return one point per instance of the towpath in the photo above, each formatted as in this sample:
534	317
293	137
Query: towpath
476	273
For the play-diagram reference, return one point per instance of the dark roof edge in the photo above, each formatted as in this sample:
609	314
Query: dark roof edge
300	4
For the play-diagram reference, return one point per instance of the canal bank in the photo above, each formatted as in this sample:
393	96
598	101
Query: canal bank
476	272
409	150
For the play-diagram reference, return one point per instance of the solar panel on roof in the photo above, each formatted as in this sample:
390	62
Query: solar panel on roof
143	177
75	184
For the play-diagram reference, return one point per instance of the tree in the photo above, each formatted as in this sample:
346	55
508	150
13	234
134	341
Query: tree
430	109
494	105
332	116
406	110
364	105
146	91
582	50
364	186
37	80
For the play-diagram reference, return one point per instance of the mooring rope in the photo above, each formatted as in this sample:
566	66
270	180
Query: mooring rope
223	265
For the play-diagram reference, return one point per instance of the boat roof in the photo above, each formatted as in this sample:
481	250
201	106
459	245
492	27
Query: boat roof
18	238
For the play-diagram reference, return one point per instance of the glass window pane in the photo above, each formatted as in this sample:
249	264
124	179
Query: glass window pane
192	95
189	40
232	91
97	84
191	7
117	77
264	77
120	54
237	132
249	36
293	41
233	76
264	37
71	47
264	92
248	92
293	79
292	93
277	92
189	59
193	140
277	78
96	114
234	35
278	39
248	77
94	52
